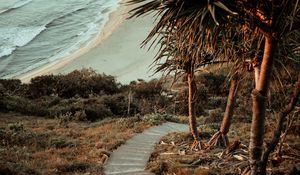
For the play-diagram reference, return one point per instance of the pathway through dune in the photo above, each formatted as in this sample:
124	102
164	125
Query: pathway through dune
132	157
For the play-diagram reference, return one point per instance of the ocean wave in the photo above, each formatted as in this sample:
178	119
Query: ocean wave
61	28
18	4
13	37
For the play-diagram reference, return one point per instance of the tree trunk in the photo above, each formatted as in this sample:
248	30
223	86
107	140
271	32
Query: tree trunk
259	106
256	75
279	128
230	105
220	138
191	102
129	102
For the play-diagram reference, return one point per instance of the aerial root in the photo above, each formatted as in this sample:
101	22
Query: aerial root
218	140
197	145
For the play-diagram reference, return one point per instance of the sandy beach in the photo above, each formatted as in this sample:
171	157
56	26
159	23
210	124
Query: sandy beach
114	51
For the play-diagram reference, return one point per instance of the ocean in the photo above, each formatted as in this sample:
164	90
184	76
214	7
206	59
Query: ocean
34	33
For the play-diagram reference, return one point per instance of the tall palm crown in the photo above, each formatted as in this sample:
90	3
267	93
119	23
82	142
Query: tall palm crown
195	32
187	30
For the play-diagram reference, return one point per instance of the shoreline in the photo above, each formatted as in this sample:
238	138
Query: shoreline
115	19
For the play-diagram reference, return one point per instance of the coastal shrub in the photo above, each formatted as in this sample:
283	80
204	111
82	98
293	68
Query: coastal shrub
85	83
181	102
216	102
118	104
79	83
16	134
12	87
11	84
150	97
147	90
45	85
214	116
95	109
22	105
215	83
2	90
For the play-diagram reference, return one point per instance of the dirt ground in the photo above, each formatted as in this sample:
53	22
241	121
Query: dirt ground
174	156
32	145
35	145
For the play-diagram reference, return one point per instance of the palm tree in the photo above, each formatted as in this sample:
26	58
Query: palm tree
272	19
186	32
190	29
220	138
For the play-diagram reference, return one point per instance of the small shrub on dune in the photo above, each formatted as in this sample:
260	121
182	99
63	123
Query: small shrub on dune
181	99
149	96
85	83
118	104
214	116
10	84
93	109
216	102
22	105
213	83
16	134
79	83
12	87
45	85
147	90
98	114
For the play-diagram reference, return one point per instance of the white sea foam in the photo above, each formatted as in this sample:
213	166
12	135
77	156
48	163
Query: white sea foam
13	37
25	42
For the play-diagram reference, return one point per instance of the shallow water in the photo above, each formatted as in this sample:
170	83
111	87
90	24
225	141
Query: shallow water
37	32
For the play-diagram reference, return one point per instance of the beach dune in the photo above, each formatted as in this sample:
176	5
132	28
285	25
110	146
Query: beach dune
115	51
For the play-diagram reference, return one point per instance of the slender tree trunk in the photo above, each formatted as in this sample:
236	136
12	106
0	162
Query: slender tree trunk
220	138
259	106
279	128
129	102
256	75
230	105
191	102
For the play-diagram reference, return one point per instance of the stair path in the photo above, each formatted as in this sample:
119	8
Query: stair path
132	157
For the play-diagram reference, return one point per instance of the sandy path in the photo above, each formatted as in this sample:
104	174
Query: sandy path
132	157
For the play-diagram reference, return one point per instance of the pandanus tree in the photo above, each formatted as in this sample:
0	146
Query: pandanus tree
273	19
185	31
246	49
194	25
235	50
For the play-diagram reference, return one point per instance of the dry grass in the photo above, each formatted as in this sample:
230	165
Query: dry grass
31	145
173	155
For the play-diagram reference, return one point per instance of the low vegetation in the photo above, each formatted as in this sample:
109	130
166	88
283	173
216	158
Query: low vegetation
35	145
45	131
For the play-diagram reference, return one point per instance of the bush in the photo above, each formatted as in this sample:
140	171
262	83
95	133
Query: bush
12	87
45	85
215	83
215	116
181	100
22	105
149	97
118	104
83	83
147	90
